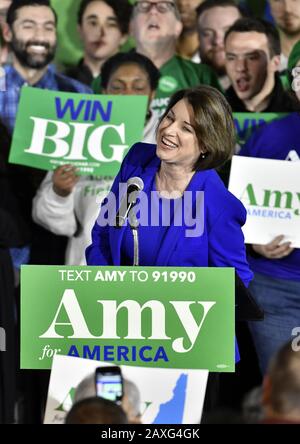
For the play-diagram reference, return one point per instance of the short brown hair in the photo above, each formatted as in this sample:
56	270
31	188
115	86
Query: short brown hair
214	124
261	26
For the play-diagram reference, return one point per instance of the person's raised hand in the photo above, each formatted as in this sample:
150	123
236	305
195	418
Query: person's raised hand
64	180
274	249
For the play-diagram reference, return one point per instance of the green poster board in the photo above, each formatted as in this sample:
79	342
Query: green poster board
147	317
91	132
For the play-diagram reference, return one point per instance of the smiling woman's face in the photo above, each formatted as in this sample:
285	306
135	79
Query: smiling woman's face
176	137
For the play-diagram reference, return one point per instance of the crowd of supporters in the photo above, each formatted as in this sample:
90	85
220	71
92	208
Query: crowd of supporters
249	52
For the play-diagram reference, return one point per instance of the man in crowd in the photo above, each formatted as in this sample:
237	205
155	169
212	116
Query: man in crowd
286	14
156	27
103	27
31	33
188	41
252	48
214	18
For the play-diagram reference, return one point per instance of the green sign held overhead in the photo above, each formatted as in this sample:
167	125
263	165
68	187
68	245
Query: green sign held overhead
151	317
91	132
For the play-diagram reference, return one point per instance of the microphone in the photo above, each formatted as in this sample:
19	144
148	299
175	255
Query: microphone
134	186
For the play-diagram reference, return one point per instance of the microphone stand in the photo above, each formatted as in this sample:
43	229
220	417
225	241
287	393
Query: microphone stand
134	225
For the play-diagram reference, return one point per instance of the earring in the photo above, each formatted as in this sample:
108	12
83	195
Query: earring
202	156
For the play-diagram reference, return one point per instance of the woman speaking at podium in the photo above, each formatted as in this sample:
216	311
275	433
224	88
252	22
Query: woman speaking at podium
187	217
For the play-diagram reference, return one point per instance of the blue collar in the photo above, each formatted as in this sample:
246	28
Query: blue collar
46	82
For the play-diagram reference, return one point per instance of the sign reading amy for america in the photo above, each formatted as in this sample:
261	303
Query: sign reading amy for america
270	192
152	317
91	132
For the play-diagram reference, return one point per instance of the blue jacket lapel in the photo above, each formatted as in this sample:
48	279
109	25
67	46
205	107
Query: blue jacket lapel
173	234
116	234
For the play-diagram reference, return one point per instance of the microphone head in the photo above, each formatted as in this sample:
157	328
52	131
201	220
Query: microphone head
136	182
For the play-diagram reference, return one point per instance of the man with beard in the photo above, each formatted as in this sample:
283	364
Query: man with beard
286	14
214	17
31	33
188	41
30	30
252	48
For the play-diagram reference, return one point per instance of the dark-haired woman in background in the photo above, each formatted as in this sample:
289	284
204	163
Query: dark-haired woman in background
103	28
195	135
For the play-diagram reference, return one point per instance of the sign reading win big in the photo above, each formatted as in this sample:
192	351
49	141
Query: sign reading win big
91	132
151	317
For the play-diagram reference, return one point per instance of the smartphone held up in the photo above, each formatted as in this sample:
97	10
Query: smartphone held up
109	383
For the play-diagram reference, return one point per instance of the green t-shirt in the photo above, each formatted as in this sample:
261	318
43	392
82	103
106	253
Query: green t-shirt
177	73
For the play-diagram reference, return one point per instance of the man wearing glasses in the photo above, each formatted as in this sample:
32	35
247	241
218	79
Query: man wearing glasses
156	25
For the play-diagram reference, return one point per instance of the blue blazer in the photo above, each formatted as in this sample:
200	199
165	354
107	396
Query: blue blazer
222	241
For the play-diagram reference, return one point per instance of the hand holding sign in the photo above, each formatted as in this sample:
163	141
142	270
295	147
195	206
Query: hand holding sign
274	249
64	180
269	190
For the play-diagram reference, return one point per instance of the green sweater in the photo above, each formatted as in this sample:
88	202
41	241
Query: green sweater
179	73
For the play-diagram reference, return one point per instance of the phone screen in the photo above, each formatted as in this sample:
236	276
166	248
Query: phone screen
109	385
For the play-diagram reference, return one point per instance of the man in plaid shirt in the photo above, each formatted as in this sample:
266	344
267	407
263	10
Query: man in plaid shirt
31	32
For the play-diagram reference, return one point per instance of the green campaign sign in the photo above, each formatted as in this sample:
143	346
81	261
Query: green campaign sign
148	317
247	123
91	132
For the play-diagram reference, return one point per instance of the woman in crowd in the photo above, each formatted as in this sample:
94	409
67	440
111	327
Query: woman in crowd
195	135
